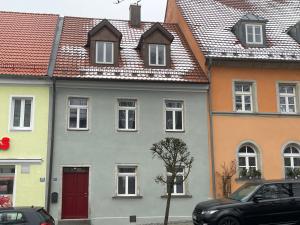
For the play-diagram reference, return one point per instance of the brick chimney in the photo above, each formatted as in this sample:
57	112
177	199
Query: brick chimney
135	15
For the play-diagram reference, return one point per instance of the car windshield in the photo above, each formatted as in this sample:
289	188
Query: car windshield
244	192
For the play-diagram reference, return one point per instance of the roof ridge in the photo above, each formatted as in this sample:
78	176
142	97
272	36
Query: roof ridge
28	13
118	20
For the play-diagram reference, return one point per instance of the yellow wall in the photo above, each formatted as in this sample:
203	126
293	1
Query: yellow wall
27	144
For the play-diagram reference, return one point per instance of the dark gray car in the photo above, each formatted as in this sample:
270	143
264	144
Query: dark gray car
256	203
25	216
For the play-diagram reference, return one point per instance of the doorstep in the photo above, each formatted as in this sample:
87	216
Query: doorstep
74	222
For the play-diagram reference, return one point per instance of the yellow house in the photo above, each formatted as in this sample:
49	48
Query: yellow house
24	98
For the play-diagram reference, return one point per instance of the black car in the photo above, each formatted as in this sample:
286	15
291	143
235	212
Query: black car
264	202
25	216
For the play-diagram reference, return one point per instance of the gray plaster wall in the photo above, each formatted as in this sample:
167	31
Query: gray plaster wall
102	147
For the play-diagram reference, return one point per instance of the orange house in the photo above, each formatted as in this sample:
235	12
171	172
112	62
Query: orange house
251	53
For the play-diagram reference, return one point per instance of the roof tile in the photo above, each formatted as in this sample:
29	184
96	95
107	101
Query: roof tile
73	59
26	42
211	21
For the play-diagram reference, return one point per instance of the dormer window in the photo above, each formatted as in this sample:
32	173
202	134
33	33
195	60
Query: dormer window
157	55
250	30
155	47
104	52
294	32
254	34
104	44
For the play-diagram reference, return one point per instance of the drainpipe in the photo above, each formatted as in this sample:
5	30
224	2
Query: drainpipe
53	106
51	142
212	153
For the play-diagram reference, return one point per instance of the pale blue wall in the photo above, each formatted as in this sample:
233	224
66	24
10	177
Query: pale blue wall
102	147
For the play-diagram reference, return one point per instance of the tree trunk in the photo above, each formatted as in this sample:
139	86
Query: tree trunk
169	188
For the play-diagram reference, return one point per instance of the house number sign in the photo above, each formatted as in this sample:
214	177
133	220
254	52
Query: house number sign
4	143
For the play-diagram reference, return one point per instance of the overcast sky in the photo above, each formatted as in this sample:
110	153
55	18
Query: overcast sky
152	10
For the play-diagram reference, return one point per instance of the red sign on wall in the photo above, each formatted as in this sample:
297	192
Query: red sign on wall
4	144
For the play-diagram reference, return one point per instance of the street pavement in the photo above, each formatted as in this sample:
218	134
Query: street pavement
174	223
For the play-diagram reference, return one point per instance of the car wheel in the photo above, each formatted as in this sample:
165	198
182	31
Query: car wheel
228	220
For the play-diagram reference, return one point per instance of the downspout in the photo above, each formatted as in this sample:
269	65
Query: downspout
211	131
51	142
53	106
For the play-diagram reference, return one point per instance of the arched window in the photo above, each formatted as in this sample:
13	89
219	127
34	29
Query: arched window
247	159
291	156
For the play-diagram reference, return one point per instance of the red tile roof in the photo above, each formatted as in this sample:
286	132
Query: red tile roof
211	22
73	57
26	42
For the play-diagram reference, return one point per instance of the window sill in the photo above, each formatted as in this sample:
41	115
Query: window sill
157	65
177	196
243	179
249	112
71	129
175	131
20	129
123	130
104	63
288	113
292	178
127	197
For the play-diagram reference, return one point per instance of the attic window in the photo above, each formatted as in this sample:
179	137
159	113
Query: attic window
104	52
157	55
254	34
155	46
294	32
251	31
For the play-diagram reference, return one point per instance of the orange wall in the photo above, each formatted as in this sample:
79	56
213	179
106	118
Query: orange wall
265	79
270	133
173	15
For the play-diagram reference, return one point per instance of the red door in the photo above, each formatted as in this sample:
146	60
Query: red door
75	193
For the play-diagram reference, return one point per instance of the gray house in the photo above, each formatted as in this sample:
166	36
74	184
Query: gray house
119	87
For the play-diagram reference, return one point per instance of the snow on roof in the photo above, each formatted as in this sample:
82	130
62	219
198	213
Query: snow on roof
211	22
73	60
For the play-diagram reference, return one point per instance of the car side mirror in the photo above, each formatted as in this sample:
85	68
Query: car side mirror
257	198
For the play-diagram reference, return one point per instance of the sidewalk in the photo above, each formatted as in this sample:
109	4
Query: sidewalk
173	223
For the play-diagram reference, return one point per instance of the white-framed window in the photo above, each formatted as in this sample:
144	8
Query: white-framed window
247	158
127	181
22	113
179	185
291	156
127	109
104	52
174	115
254	34
287	98
78	113
243	93
157	55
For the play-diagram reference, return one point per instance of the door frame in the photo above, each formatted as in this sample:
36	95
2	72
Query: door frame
61	168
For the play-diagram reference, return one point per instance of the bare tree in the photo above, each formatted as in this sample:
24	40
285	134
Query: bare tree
175	156
228	171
